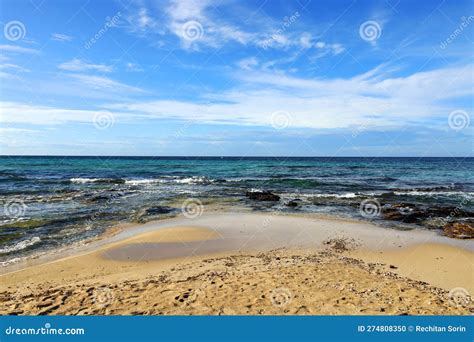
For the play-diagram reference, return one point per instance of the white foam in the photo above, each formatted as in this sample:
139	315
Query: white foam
193	180
144	181
84	180
20	245
346	195
434	193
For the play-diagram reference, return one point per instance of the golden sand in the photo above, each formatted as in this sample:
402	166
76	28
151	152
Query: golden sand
327	280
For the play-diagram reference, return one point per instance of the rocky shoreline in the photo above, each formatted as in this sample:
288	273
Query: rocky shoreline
452	221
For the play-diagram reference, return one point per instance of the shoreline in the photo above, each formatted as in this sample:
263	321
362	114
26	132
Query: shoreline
369	254
122	231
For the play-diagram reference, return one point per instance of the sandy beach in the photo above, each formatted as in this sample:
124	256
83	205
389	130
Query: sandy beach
248	263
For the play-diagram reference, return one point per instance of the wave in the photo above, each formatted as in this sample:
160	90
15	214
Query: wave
20	245
194	180
98	180
176	180
345	195
141	181
433	193
144	181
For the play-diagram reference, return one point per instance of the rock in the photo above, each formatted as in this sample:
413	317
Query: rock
408	215
262	196
291	204
152	211
459	230
157	210
98	198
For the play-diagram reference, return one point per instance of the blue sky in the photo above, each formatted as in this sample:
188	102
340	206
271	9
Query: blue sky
248	78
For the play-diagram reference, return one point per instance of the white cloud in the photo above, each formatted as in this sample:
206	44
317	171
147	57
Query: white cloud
78	65
11	112
59	37
18	49
248	63
338	103
326	48
373	100
212	31
103	83
306	40
133	67
11	66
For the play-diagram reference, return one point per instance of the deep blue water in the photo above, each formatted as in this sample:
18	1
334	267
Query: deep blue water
55	201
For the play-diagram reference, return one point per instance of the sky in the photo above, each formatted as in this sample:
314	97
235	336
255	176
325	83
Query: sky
237	78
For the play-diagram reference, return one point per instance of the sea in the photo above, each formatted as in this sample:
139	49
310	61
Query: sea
48	203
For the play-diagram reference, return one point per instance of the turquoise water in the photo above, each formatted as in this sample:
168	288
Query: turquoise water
55	201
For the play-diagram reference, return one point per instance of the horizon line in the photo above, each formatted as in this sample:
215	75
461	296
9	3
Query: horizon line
201	156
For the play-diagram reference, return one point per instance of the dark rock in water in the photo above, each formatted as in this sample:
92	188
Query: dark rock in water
98	198
411	213
459	230
110	195
403	212
262	196
291	204
153	211
157	210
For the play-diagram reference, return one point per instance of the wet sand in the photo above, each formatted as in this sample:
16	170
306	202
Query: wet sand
249	264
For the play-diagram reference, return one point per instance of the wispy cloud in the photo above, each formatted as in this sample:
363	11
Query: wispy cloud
60	37
324	104
17	49
372	99
10	66
79	65
133	67
103	83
